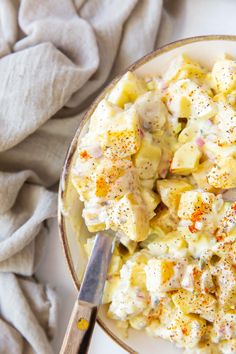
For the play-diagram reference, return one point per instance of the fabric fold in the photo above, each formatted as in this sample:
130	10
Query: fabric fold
10	339
107	22
8	26
138	31
35	83
23	222
30	316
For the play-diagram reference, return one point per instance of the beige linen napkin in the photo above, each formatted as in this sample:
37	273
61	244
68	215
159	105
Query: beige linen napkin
54	57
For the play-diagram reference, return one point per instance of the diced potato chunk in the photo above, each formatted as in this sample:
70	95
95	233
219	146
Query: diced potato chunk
170	191
127	89
200	176
224	75
218	151
151	110
113	179
188	134
172	244
187	330
103	177
84	165
224	327
223	174
188	100
102	116
199	242
147	183
226	117
129	244
207	284
138	276
127	302
201	304
177	246
164	220
183	67
132	217
138	322
186	159
195	203
227	249
82	186
226	98
158	247
94	216
226	276
147	159
151	200
93	226
115	264
162	275
158	273
122	137
231	99
110	287
228	346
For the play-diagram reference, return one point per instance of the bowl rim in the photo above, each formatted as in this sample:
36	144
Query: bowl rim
72	148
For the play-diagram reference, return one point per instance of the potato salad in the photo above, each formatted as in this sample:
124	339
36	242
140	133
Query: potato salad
158	166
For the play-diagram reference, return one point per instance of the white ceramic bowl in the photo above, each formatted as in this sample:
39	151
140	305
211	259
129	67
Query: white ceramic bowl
206	50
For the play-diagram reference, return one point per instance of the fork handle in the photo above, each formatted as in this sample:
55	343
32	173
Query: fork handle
80	329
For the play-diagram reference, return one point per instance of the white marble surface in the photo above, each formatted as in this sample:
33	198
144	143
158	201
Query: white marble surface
182	18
